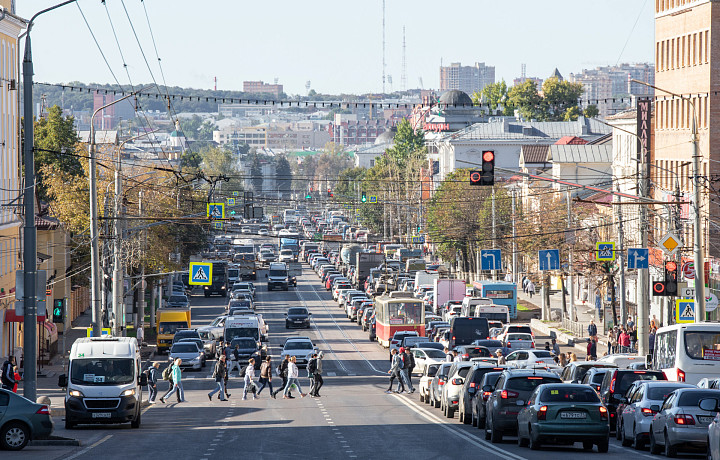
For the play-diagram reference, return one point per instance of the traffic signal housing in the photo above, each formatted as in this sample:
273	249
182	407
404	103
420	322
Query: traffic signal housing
58	311
671	277
330	193
488	168
659	289
475	177
363	198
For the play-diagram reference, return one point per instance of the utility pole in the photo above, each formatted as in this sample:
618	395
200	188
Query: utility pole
514	245
117	278
697	229
140	318
494	229
571	278
621	263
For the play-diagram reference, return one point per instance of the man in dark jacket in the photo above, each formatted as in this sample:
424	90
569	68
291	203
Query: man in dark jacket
592	329
153	377
219	374
283	373
591	350
8	374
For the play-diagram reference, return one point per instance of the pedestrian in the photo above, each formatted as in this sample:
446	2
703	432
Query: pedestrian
16	374
654	323
153	377
591	350
405	366
317	375
500	358
410	367
249	377
292	379
651	340
592	329
394	372
167	375
234	359
7	377
555	347
547	346
448	355
177	382
219	374
624	341
266	376
573	357
630	322
612	342
282	372
531	289
633	338
562	360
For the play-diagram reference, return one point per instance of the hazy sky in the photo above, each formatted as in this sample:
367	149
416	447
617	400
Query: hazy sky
337	45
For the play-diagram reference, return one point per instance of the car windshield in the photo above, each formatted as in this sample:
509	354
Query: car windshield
529	383
405	312
105	371
278	273
205	335
171	327
569	395
542	354
298	345
178	299
184	348
692	398
297	311
243	343
251	332
703	345
433	353
659	393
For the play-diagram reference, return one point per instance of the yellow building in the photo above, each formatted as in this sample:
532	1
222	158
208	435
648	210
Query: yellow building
10	161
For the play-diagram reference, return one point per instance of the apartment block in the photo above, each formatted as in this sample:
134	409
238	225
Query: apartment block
467	79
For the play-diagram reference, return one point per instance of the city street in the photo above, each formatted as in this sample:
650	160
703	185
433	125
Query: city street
354	418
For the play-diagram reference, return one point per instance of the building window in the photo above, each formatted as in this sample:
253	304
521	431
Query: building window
672	53
700	48
706	46
372	163
694	50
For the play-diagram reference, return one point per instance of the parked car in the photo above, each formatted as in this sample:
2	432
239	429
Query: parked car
681	423
563	412
22	421
471	389
642	401
437	383
511	392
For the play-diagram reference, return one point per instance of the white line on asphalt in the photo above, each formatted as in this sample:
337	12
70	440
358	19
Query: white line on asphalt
464	435
88	448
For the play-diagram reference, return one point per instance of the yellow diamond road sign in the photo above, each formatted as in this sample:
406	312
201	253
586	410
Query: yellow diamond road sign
670	244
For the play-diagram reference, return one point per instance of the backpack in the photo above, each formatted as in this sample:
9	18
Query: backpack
403	363
312	366
167	373
410	360
243	370
236	355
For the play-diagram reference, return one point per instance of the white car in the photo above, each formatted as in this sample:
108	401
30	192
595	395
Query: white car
454	310
425	357
301	348
519	341
527	359
424	385
286	255
263	232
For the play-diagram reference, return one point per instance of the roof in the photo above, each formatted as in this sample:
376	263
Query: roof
556	74
46	223
580	153
86	347
455	98
534	153
387	137
511	129
604	139
571	140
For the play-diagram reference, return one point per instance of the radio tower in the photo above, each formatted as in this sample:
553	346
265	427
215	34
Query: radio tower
403	74
383	46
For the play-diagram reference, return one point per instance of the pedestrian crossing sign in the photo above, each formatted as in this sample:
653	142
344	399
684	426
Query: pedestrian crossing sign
231	201
604	251
200	273
236	193
685	311
373	199
216	210
218	225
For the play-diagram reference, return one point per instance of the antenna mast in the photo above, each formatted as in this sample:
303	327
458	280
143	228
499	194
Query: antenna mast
403	75
383	46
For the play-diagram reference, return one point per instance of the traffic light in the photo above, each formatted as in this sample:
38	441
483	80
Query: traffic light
671	277
363	198
475	177
58	310
659	289
308	196
488	168
330	193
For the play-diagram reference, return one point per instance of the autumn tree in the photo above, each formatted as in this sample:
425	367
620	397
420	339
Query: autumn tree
493	96
55	141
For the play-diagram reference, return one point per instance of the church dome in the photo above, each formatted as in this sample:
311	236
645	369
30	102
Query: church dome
455	98
386	137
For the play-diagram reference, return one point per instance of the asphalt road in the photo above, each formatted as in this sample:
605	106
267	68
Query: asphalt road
354	418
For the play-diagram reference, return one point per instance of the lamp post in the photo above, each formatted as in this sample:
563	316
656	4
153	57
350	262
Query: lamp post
30	231
697	230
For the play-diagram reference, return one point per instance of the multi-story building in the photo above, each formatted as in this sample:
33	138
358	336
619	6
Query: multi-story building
467	79
603	84
347	129
298	135
10	183
260	87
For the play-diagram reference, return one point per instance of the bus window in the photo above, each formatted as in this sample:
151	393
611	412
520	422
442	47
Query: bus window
498	294
405	312
702	345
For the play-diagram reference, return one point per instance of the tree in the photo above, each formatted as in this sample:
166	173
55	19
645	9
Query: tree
217	162
256	177
526	99
190	126
55	141
283	175
572	113
492	95
559	97
591	111
190	159
205	131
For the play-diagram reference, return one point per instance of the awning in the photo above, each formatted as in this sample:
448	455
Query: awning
11	317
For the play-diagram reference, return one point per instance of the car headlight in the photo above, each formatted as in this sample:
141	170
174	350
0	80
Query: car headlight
76	393
128	392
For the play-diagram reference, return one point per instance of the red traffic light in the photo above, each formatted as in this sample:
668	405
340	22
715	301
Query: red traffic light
671	265
488	155
659	288
475	177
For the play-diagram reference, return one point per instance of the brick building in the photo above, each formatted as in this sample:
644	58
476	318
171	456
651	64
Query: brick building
260	87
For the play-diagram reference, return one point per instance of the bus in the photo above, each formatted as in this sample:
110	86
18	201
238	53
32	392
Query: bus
393	314
687	352
289	216
499	292
493	313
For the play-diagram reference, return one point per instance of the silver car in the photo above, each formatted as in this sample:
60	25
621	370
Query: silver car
643	400
681	423
190	354
713	430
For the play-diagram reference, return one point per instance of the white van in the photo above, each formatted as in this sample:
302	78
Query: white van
105	382
469	305
688	352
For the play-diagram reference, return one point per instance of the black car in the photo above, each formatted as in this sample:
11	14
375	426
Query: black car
594	377
471	389
297	317
616	382
485	389
247	348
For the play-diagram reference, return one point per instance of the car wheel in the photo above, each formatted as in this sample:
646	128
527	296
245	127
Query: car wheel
14	436
624	440
587	445
603	446
496	436
422	398
473	420
522	442
654	448
69	424
670	450
450	412
709	451
480	421
136	423
639	444
487	432
534	440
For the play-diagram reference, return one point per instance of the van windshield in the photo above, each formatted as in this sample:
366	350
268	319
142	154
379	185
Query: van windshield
172	327
253	332
106	371
278	273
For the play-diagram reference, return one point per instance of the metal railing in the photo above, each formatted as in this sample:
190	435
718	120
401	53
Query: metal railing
578	329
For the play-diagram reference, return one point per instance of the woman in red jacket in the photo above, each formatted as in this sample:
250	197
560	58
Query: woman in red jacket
17	379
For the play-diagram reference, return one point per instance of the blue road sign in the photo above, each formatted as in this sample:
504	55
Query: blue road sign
373	199
418	239
235	193
231	201
549	259
684	311
200	273
490	259
216	210
638	258
604	251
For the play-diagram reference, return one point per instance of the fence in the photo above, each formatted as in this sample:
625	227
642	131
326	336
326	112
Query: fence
577	328
79	301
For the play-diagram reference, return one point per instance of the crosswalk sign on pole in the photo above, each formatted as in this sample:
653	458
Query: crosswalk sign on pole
685	311
231	201
200	273
605	251
216	210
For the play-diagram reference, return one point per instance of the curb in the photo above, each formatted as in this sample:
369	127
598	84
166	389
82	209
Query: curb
55	441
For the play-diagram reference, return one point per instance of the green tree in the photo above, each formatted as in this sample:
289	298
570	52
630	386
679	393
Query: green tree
283	175
492	95
55	140
256	177
591	111
526	99
217	161
407	142
190	126
559	97
205	131
572	113
190	159
348	182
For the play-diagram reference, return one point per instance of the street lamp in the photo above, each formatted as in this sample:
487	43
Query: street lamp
697	231
30	231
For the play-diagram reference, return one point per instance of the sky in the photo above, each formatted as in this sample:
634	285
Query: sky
336	45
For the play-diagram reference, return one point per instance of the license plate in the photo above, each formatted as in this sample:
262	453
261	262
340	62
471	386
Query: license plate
298	321
101	415
705	418
574	415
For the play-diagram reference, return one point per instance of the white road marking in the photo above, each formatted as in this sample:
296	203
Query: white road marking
88	448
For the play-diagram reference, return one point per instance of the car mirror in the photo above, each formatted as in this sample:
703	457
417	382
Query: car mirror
285	314
309	314
62	381
143	381
488	388
709	404
656	408
618	398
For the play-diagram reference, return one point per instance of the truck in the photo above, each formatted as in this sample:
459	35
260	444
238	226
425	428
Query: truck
219	280
246	266
365	261
277	276
169	320
426	278
104	382
292	244
404	254
446	290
